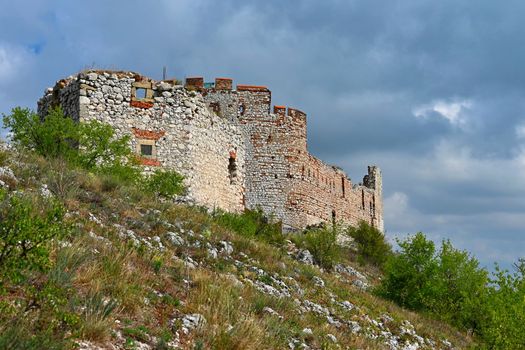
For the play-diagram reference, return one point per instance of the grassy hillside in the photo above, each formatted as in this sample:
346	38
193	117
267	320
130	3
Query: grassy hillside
131	271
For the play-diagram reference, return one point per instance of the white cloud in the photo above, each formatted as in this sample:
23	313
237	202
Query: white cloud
395	205
11	60
520	131
454	112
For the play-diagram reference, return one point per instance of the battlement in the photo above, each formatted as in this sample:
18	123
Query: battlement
223	84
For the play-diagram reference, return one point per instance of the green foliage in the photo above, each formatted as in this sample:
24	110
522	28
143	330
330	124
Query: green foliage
20	335
447	283
372	246
29	222
165	183
100	147
53	137
252	223
502	324
122	173
91	145
322	243
409	275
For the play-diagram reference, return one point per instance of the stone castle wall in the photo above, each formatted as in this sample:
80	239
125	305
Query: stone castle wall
183	133
234	151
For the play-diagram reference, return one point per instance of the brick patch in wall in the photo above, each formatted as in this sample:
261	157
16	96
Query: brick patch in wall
148	134
141	104
149	162
251	88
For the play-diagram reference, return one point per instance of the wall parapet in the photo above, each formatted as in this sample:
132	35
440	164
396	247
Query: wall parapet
255	88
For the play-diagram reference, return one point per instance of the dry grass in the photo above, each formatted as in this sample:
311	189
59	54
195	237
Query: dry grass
149	289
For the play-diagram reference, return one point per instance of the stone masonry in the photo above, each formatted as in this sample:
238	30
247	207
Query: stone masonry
233	149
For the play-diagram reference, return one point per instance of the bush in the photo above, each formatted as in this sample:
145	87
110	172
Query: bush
91	145
165	183
99	147
55	136
28	224
322	243
252	223
371	243
502	323
448	283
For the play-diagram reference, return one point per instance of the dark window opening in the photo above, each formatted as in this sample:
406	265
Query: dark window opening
140	93
276	176
302	171
232	170
146	150
215	107
241	109
333	218
343	186
363	199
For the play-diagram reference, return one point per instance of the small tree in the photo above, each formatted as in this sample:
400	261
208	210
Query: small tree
51	137
28	223
91	145
408	275
99	146
503	316
372	245
447	283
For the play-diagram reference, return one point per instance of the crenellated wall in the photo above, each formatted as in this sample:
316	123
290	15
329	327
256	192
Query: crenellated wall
233	149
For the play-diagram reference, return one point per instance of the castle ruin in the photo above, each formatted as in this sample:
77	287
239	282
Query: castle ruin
233	149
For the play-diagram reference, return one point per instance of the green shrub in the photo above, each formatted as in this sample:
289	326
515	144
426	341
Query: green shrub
502	324
29	222
371	243
165	183
322	243
54	136
252	223
123	173
99	146
91	145
448	283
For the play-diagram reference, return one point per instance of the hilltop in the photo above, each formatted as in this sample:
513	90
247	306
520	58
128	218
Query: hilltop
134	271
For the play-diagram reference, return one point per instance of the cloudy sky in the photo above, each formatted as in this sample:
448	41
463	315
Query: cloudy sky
431	91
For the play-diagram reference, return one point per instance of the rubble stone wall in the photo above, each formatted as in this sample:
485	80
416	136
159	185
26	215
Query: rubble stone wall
175	121
234	151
